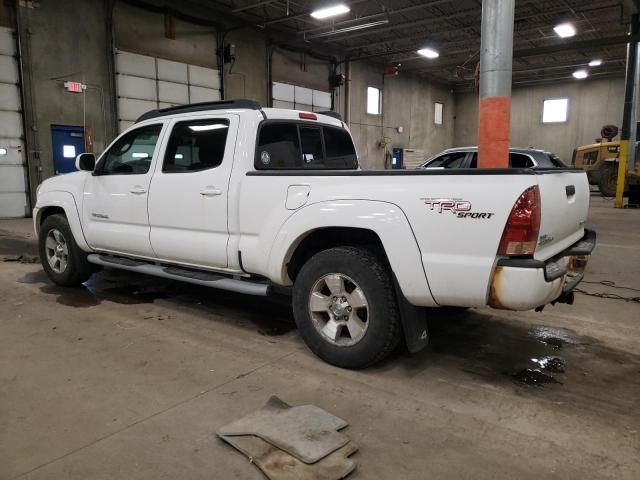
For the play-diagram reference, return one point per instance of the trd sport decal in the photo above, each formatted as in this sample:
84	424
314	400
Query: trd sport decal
458	207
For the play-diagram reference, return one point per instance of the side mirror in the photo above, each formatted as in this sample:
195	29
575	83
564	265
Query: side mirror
86	161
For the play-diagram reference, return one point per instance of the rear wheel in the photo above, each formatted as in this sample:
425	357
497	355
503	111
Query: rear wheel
65	263
345	307
608	180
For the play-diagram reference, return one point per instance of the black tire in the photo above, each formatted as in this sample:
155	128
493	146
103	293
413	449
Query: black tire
78	270
371	275
608	180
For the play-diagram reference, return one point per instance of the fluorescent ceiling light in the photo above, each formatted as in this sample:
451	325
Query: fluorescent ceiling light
203	128
428	52
140	155
331	11
347	29
565	30
595	63
580	74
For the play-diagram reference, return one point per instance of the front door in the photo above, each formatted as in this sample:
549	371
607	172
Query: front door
189	192
67	142
114	210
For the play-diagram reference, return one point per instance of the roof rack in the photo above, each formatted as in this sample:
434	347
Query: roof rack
202	106
330	113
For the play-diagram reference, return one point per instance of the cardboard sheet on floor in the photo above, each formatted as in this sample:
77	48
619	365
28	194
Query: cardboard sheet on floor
277	464
306	432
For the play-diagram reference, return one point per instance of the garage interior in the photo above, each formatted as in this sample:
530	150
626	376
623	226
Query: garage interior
131	376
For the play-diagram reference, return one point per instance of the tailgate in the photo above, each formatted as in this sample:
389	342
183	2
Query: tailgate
564	199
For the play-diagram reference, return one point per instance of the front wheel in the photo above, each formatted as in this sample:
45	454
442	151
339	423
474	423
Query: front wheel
345	307
65	263
608	180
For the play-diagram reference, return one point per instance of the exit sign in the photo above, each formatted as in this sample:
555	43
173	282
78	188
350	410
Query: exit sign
75	87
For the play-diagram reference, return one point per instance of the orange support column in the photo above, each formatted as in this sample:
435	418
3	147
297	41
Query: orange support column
496	63
493	132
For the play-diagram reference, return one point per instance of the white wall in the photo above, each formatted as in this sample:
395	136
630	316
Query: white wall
408	102
592	104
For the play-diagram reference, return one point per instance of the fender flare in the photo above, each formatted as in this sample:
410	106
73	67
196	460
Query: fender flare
65	201
385	219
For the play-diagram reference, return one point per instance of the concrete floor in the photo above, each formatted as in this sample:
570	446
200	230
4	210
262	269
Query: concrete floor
131	376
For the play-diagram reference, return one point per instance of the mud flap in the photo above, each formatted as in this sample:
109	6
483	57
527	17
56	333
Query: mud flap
414	322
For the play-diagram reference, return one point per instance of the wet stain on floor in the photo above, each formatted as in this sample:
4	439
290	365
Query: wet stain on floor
271	318
533	376
536	360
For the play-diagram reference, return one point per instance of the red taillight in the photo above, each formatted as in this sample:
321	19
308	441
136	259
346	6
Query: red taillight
307	116
520	235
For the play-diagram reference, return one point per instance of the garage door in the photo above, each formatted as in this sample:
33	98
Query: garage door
13	175
145	83
286	95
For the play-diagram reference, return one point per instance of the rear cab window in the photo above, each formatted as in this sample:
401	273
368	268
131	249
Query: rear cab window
290	145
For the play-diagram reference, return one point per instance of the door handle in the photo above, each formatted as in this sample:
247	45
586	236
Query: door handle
210	192
138	190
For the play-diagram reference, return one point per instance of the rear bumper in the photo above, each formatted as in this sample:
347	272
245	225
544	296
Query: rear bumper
525	284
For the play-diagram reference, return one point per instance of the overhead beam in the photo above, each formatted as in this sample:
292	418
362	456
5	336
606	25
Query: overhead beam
517	54
474	25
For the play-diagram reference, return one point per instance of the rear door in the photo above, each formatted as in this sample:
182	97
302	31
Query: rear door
564	199
189	192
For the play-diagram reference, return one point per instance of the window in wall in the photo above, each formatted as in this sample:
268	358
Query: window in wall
196	145
69	151
438	114
555	110
374	101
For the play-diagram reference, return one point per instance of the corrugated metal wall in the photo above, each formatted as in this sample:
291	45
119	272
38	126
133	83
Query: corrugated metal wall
299	98
13	177
145	83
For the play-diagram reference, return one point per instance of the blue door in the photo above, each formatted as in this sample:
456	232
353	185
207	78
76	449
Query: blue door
67	142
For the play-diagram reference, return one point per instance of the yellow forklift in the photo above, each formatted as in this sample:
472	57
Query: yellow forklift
600	161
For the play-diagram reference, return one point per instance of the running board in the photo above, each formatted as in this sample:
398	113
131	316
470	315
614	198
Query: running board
206	279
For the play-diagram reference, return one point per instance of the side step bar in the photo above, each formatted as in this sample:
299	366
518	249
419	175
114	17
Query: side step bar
206	279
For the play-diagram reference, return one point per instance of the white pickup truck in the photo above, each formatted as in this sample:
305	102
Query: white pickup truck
239	197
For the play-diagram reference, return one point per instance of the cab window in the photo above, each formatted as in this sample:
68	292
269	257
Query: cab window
589	158
132	153
297	146
196	145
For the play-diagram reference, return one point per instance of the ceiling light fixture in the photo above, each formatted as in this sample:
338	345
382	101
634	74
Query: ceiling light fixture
595	63
565	30
331	11
580	74
346	29
428	52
